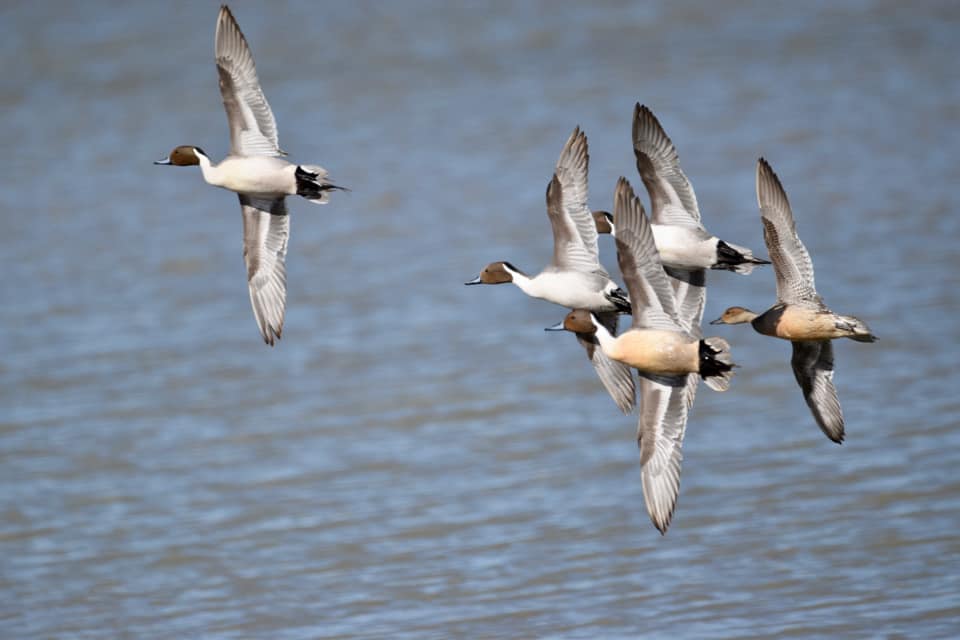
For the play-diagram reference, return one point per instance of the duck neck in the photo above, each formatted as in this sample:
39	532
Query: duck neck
207	169
604	337
523	281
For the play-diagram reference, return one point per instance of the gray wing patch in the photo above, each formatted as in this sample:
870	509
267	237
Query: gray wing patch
569	251
690	292
266	229
650	292
812	364
791	262
616	377
572	171
664	404
253	129
672	199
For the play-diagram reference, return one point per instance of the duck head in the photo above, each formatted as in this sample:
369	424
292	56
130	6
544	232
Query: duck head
735	315
577	321
183	156
604	222
495	273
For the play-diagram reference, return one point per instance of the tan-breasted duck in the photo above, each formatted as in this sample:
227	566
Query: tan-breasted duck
799	315
665	344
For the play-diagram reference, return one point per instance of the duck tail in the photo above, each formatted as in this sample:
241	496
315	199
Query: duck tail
859	330
716	363
732	257
312	183
620	299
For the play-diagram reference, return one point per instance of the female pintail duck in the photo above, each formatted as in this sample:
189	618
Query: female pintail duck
681	238
665	344
575	278
255	170
799	314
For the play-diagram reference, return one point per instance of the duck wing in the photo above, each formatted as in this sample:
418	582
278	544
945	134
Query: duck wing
569	252
664	402
253	129
266	228
791	262
672	200
651	294
690	295
615	376
572	172
812	364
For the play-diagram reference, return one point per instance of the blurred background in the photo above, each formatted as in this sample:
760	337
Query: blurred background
416	458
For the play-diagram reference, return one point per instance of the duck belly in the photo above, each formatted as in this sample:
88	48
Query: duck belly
799	324
684	247
653	351
572	290
261	176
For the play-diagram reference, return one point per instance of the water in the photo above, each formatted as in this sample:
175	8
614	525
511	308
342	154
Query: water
416	458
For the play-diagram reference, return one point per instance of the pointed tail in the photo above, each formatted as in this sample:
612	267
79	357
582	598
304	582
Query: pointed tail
716	363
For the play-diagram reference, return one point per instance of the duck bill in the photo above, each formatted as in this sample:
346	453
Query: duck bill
557	327
164	161
717	321
474	281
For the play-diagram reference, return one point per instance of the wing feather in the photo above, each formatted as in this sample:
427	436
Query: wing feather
791	262
266	229
651	294
253	129
665	401
812	364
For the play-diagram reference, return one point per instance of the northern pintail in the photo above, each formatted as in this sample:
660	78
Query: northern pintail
681	238
255	170
575	277
799	315
666	346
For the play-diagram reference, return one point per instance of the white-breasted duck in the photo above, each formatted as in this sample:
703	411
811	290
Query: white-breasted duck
256	171
681	238
575	278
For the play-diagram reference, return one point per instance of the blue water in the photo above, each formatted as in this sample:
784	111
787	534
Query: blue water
416	458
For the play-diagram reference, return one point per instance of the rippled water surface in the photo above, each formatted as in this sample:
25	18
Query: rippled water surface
416	458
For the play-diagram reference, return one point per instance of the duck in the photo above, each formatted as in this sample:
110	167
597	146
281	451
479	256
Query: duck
800	314
665	344
575	278
255	169
681	238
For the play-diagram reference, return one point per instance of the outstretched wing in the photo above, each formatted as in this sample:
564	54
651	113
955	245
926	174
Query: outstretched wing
266	228
791	262
253	130
812	364
572	169
651	294
664	401
569	251
615	376
672	200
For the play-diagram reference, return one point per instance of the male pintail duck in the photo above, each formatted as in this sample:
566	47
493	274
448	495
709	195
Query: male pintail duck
575	278
681	238
665	344
799	315
255	170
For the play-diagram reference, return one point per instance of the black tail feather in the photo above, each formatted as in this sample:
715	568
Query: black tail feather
620	300
311	187
729	258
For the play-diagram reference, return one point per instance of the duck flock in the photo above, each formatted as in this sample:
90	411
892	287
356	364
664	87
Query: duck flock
663	259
